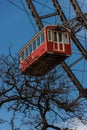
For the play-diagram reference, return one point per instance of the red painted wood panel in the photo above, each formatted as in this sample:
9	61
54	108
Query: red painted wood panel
41	50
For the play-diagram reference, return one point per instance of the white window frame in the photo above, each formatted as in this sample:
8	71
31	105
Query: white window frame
48	35
56	37
67	37
33	45
62	38
44	37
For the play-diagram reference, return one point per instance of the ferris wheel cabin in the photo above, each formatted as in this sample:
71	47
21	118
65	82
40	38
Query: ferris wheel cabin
47	49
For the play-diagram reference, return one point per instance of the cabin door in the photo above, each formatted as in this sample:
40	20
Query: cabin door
58	43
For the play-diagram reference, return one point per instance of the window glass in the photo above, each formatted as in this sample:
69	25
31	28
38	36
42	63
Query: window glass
55	36
30	49
60	36
26	52
34	45
49	35
65	38
42	37
23	55
38	41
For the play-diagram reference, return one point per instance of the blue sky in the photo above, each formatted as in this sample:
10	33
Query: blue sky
16	29
14	26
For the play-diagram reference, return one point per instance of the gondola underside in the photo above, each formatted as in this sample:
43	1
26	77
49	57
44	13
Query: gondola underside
44	64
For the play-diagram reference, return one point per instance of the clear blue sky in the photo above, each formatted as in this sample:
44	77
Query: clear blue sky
14	26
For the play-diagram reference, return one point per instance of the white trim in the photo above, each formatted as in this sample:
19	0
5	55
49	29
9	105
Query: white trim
49	30
59	43
67	38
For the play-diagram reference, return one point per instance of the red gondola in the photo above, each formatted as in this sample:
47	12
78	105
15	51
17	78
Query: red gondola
47	49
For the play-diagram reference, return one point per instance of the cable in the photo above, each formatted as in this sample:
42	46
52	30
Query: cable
82	3
28	15
23	10
18	6
79	70
83	72
43	4
85	37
